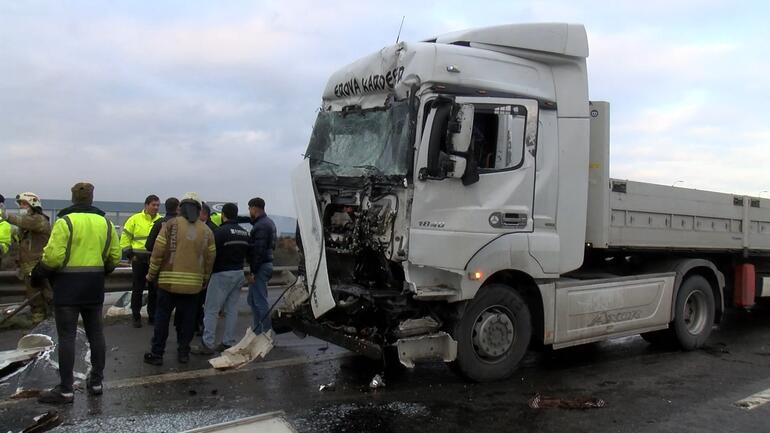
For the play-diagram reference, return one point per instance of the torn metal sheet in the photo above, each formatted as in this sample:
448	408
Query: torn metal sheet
271	422
28	347
542	402
250	348
42	370
294	297
412	327
435	347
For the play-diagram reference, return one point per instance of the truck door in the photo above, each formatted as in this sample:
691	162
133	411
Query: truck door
452	218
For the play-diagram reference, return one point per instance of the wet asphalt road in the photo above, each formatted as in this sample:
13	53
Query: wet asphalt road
646	389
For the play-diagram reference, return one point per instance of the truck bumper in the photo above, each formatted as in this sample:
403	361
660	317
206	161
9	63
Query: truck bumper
354	344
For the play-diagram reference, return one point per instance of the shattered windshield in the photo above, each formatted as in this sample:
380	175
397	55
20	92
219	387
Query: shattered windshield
357	143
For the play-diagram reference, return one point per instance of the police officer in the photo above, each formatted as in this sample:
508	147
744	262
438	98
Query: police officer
132	241
83	248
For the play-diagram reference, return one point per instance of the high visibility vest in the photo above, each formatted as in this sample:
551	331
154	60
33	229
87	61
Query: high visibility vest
216	218
5	237
82	242
135	232
83	247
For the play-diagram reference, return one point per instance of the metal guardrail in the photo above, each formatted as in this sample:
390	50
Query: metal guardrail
120	280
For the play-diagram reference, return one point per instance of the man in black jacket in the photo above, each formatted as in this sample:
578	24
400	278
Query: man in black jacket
263	241
227	278
172	206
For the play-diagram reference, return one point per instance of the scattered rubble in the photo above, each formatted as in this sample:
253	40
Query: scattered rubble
44	422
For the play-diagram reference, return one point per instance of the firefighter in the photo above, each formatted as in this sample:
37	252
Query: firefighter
83	248
5	233
34	230
181	264
132	241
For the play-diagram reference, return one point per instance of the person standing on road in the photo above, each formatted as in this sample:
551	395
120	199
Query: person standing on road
83	248
35	229
5	233
224	288
132	242
205	217
262	242
181	264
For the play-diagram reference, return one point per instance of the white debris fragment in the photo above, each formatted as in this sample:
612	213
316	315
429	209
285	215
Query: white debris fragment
250	347
377	382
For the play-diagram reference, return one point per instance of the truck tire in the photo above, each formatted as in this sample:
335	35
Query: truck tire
693	313
492	334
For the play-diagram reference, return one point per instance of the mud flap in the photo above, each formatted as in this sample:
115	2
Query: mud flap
311	231
435	347
250	348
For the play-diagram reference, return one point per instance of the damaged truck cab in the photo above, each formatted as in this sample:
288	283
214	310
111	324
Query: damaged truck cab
448	210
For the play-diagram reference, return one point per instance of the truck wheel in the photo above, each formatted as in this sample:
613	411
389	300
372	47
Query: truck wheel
694	313
492	334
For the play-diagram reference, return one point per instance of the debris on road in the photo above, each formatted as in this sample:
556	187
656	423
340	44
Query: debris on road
44	422
327	387
542	402
271	422
377	382
250	347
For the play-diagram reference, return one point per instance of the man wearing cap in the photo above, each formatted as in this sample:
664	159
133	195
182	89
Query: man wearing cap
181	264
83	248
133	237
34	230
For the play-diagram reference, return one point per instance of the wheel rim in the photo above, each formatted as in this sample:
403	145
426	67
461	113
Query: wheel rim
493	333
695	312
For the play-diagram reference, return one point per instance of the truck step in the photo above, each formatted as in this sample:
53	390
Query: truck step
434	293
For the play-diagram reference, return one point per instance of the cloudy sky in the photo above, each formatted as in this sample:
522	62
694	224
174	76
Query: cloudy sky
219	97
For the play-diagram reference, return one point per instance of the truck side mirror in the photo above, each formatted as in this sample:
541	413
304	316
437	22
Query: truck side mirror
461	128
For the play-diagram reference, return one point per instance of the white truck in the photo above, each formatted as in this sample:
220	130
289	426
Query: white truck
455	204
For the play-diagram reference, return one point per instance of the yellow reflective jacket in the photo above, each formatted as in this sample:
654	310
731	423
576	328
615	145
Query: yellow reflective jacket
183	256
135	232
216	218
83	248
5	237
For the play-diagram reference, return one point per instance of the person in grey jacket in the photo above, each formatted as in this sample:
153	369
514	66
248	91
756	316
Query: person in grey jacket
262	240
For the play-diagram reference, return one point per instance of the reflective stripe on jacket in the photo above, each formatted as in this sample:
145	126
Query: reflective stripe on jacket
183	256
83	247
135	232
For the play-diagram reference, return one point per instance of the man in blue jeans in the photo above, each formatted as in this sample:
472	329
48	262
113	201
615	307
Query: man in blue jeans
262	241
226	281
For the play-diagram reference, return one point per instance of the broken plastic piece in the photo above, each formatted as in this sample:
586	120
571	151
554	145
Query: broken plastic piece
250	347
377	382
44	422
327	387
541	402
412	327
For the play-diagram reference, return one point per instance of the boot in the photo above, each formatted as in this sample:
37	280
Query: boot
56	395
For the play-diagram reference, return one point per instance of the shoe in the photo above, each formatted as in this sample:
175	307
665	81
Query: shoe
56	395
222	347
137	323
183	358
94	388
153	359
201	349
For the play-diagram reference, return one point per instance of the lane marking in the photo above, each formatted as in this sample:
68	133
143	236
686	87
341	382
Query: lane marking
208	372
754	401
